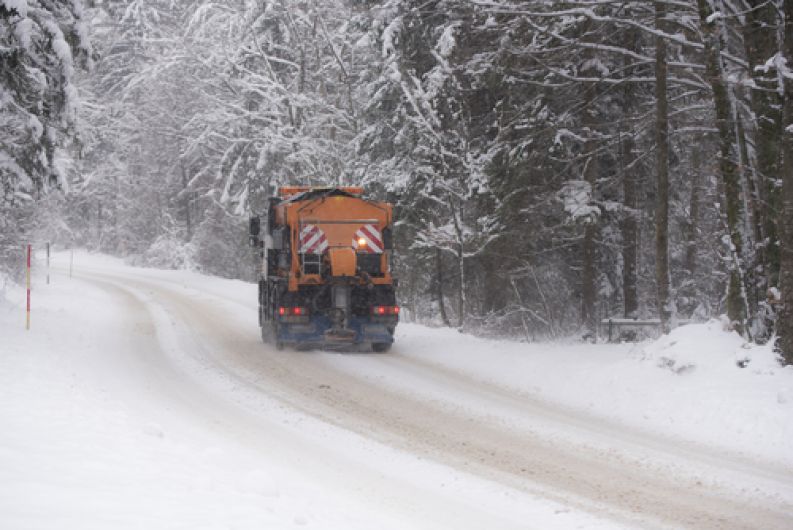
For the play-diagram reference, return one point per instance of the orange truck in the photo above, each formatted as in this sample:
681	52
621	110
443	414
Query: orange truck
325	278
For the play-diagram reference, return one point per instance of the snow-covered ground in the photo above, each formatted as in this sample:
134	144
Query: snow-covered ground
82	446
117	413
686	385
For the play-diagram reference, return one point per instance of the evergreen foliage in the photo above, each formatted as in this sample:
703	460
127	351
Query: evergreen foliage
42	43
553	163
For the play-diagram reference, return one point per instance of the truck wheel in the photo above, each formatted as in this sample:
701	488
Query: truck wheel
381	347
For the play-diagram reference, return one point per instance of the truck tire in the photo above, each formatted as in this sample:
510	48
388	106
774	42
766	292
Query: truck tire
381	347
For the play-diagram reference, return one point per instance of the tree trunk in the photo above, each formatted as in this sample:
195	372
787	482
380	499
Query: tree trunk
457	216
187	218
785	317
463	306
99	227
754	277
439	283
736	300
693	227
761	43
630	222
589	290
662	278
751	203
630	233
588	287
589	271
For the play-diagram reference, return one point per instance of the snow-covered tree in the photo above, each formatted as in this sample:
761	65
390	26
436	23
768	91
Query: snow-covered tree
785	328
533	148
42	43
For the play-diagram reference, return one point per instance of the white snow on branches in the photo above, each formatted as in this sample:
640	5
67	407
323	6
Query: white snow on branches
21	6
447	41
576	195
391	35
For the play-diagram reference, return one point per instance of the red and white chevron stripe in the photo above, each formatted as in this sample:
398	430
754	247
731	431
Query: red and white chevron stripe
371	238
312	240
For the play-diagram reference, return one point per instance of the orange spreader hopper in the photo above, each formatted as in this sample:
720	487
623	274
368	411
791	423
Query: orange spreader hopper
285	192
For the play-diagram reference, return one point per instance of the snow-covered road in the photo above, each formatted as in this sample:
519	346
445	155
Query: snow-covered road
145	399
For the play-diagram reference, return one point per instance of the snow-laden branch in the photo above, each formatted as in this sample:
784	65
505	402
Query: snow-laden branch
589	13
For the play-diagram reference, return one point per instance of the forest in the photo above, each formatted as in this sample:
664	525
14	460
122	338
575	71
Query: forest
552	163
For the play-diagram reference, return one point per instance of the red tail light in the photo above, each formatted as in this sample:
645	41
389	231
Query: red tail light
382	310
292	311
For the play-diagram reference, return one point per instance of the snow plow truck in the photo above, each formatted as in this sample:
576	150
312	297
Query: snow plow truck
325	279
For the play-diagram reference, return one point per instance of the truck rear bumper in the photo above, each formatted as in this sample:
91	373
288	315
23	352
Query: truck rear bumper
319	332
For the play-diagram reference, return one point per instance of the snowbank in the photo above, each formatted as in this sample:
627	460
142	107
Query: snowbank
700	383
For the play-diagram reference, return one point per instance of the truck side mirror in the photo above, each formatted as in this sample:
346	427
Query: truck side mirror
388	239
254	227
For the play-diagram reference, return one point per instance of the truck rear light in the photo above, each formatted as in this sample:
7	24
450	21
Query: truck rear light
383	310
292	311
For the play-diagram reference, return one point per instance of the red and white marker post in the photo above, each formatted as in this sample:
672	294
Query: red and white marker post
27	282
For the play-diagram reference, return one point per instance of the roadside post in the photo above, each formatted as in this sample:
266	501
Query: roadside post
27	284
48	263
71	264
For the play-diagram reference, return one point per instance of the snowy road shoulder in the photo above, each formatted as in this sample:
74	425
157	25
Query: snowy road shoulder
688	385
